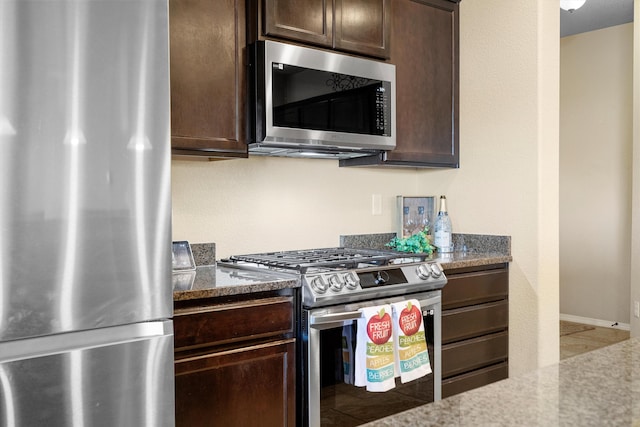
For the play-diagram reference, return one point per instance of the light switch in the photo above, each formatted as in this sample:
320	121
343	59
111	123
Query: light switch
376	204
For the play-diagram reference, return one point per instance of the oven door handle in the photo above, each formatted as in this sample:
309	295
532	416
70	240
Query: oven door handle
334	317
328	318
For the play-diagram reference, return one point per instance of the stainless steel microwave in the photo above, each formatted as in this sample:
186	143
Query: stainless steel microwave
312	103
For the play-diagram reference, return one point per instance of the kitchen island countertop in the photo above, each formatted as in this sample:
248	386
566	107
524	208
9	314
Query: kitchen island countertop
598	388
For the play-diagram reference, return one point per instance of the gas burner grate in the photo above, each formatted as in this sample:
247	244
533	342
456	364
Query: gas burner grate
334	258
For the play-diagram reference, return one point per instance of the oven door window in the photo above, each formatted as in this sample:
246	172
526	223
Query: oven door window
343	404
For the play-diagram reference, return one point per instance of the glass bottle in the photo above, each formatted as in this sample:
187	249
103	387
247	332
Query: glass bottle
442	229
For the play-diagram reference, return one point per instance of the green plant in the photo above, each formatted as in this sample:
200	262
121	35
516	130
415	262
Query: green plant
416	243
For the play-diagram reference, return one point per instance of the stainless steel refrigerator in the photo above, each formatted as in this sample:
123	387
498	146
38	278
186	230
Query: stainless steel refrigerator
86	337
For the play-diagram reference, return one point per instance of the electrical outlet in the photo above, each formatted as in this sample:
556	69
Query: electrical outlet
636	308
376	204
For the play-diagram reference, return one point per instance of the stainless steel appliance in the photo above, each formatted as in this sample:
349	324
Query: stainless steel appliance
336	282
313	103
86	337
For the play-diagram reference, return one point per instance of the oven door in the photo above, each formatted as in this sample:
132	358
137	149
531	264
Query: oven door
329	398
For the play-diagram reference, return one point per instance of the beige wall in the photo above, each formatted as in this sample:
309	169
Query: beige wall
596	117
266	204
507	183
508	180
635	248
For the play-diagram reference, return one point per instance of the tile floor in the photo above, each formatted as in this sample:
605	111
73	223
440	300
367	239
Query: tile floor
576	338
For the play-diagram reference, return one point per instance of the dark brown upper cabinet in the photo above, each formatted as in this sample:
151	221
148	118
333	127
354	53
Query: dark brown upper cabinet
208	78
424	34
356	26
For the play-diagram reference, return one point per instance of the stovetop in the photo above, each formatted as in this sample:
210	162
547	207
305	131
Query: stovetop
339	275
326	259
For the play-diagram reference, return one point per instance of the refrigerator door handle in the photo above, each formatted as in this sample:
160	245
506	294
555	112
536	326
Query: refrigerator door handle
62	343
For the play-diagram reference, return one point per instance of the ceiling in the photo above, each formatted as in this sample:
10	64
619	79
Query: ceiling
594	15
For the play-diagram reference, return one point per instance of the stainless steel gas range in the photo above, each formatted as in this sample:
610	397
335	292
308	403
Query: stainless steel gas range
336	283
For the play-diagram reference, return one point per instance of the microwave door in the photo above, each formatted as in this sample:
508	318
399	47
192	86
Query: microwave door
318	101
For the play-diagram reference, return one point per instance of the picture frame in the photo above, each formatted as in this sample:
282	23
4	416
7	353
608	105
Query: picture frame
414	213
182	256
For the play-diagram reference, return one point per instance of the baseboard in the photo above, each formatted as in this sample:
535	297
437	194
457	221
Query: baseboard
595	322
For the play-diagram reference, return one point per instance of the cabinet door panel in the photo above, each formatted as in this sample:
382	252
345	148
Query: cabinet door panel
250	386
303	20
208	78
361	26
426	56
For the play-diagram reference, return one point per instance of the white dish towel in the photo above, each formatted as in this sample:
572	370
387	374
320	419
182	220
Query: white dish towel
375	366
411	354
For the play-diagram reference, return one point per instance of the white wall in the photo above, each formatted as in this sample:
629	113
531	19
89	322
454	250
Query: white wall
596	117
507	183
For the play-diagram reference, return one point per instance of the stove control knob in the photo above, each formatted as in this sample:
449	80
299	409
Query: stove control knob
436	270
351	280
336	283
423	271
319	285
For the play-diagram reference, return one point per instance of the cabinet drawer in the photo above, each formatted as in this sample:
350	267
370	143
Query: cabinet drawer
464	356
232	322
475	288
469	322
474	379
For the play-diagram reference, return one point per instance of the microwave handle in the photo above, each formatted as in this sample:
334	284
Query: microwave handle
355	315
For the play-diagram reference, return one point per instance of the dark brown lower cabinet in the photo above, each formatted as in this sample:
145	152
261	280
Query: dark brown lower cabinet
475	328
474	379
468	355
248	386
475	320
235	361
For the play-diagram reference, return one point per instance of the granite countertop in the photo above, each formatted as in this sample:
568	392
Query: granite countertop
208	281
598	388
463	259
470	250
